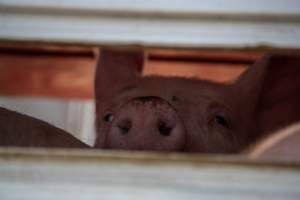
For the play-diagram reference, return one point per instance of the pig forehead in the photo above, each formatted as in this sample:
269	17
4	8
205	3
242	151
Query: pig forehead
185	96
151	103
180	90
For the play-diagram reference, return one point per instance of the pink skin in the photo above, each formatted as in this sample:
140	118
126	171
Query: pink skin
146	124
203	116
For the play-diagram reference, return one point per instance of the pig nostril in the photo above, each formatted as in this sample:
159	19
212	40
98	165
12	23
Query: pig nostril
124	127
164	130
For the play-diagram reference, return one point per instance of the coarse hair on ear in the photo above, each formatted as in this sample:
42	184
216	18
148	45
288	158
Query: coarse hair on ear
116	69
270	91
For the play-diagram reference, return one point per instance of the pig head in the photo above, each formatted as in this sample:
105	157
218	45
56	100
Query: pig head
180	114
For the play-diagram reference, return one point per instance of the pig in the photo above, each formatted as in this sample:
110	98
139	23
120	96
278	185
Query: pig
177	114
281	145
20	130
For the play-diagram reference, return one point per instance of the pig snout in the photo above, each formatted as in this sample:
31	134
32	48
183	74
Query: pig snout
146	123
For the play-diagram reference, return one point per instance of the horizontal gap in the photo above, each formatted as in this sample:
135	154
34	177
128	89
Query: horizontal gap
46	52
201	59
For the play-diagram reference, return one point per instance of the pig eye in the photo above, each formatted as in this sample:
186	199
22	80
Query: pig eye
221	120
108	117
219	116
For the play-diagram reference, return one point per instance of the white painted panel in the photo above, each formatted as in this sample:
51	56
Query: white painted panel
81	120
51	111
244	7
89	175
74	116
180	23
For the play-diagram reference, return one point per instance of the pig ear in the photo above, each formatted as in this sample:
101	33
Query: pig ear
117	69
271	89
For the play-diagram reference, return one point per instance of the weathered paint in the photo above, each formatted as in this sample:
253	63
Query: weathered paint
90	174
